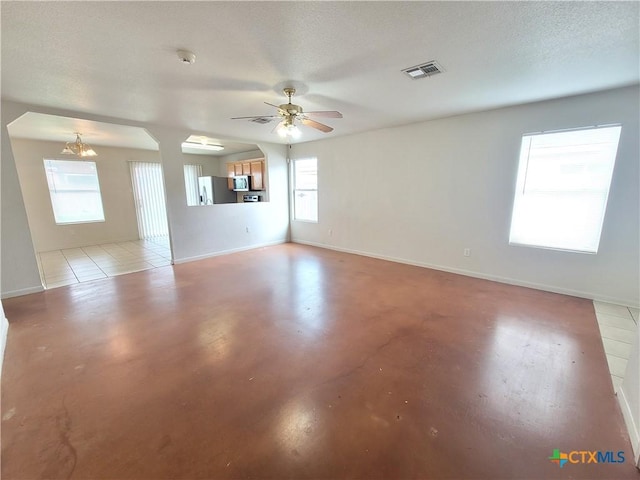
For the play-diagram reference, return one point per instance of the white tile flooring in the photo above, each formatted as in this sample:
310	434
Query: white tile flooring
75	265
618	325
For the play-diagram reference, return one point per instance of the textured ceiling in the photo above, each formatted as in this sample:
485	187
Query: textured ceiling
118	58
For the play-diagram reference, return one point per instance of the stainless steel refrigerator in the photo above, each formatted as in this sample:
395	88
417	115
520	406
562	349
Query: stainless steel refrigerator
214	190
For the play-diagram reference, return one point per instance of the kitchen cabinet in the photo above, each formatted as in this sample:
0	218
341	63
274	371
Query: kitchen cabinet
257	175
253	168
231	172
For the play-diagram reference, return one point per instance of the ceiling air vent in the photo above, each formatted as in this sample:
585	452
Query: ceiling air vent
261	120
425	70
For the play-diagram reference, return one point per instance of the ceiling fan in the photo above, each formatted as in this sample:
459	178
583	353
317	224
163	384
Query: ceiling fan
289	114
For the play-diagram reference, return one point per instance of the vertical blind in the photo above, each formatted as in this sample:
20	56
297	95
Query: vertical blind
148	193
191	174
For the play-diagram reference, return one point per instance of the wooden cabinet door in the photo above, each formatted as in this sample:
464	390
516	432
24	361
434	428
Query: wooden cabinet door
257	175
231	172
246	168
237	168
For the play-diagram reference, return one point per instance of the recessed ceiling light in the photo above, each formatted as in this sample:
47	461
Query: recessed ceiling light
202	146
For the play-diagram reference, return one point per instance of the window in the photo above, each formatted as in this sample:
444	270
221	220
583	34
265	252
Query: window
75	191
305	193
562	188
191	174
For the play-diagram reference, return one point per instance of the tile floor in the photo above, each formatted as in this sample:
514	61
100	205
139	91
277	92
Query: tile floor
75	265
617	327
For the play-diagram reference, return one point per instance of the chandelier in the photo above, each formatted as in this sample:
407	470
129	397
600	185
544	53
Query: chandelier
78	148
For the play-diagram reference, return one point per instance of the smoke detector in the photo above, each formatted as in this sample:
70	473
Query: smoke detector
186	56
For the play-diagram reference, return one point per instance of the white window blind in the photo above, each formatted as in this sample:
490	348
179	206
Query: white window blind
75	191
148	193
305	194
191	174
562	188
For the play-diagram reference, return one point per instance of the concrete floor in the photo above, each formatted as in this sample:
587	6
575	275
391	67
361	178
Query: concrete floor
298	362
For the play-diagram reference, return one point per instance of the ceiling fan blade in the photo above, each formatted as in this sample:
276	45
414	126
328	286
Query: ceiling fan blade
281	112
270	117
317	125
325	113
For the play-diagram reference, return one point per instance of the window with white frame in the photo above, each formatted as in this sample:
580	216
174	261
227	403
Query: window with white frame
75	191
305	189
562	188
191	174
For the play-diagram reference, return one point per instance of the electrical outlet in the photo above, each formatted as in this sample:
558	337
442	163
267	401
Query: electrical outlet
330	231
467	252
247	228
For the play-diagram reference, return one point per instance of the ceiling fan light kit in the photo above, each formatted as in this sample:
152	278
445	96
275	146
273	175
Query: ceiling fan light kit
290	115
79	148
286	128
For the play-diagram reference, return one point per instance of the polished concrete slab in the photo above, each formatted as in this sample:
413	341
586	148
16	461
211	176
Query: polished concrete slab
297	362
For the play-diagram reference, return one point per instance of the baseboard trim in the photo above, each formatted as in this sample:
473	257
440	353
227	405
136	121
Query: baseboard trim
22	291
627	414
178	261
474	274
4	333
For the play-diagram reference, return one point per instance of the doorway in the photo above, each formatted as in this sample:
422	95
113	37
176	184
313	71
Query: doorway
96	236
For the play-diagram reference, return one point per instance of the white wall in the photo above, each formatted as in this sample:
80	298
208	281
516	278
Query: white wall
194	232
4	323
200	232
210	163
19	274
115	186
4	333
422	193
629	397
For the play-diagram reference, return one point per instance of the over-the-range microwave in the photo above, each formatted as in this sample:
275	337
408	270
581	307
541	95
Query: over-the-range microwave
241	183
